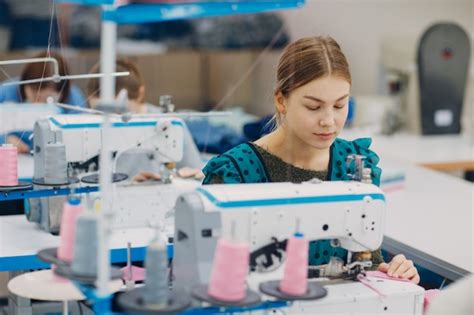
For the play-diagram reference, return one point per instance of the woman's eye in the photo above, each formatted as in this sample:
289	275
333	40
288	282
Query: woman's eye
312	108
340	106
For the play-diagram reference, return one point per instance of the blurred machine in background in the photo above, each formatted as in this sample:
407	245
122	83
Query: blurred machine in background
66	150
443	64
434	78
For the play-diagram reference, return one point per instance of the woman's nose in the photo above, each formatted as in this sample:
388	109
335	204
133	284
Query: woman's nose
327	120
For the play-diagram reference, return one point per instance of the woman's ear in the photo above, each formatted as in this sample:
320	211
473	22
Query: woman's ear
280	103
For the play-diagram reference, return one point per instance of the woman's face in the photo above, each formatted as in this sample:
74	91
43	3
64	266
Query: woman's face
316	112
41	95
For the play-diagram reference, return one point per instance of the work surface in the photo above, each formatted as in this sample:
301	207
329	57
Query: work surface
449	151
20	240
432	216
429	219
443	152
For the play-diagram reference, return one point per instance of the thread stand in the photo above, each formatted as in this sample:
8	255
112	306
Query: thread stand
94	178
201	293
133	301
65	271
155	297
42	182
20	186
315	291
50	256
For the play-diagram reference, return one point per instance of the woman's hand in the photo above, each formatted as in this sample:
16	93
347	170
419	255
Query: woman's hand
402	268
21	146
146	176
187	172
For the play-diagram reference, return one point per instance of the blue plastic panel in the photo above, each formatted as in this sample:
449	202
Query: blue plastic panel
28	262
143	13
86	2
36	193
266	305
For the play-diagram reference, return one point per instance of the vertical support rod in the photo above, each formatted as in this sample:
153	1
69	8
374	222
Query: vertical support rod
108	58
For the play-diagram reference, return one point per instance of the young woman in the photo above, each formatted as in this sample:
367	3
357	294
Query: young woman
311	101
133	84
62	92
139	163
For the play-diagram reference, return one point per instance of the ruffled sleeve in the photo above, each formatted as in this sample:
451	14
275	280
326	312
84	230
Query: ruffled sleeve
343	148
241	164
371	161
221	169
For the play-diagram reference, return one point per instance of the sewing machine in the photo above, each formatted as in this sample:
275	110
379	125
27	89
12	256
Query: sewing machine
70	144
350	213
19	117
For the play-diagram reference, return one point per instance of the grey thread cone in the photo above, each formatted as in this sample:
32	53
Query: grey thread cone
85	246
55	168
156	283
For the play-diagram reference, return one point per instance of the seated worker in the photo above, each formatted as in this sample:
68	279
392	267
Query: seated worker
139	164
311	101
63	92
133	84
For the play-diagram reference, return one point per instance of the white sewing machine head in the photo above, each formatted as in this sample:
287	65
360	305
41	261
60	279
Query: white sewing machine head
81	135
69	145
351	212
16	117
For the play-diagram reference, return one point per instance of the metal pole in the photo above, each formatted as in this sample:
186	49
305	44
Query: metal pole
107	59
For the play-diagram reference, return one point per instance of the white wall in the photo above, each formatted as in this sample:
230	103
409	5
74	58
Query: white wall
360	26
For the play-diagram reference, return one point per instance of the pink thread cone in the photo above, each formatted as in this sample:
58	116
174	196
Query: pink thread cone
295	276
229	271
71	211
8	165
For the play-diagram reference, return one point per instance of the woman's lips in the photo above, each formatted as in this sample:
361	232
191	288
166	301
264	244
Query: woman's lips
324	136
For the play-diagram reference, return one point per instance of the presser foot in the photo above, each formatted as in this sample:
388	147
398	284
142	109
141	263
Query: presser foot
336	269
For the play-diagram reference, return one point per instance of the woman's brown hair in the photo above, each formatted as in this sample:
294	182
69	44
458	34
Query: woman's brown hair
46	69
308	59
132	83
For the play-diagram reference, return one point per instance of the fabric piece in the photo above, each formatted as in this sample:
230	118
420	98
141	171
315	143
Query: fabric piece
256	130
212	138
383	275
362	279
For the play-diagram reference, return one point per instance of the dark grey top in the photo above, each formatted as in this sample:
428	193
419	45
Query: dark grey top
281	171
